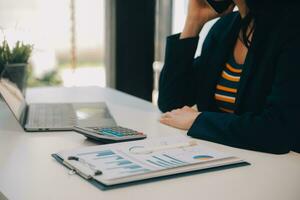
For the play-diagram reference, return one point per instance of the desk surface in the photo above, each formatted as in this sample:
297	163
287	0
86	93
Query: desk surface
27	171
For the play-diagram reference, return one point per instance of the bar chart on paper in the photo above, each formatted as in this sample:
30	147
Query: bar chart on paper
164	155
113	163
140	160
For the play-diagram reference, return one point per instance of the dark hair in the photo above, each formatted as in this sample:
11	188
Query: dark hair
262	14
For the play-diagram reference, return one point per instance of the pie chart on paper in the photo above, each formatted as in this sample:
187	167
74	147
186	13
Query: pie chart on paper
202	157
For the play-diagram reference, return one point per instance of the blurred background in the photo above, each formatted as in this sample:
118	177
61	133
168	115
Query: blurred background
56	28
81	42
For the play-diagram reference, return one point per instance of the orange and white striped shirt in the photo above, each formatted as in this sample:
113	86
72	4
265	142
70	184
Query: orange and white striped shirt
227	86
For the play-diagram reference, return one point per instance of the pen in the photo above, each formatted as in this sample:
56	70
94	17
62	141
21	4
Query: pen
164	147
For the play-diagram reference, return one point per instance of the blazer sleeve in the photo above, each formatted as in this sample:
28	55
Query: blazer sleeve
176	87
182	73
275	129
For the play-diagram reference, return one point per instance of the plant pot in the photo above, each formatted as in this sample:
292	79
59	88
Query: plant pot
17	73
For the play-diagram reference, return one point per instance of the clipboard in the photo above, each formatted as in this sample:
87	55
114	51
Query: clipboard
104	187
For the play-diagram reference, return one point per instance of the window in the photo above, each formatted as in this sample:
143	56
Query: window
68	39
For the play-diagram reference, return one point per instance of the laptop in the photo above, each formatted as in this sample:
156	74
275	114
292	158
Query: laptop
53	116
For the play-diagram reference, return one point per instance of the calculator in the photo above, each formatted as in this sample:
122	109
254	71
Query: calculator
110	134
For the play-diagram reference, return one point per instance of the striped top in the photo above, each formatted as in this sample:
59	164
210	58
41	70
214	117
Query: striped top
227	87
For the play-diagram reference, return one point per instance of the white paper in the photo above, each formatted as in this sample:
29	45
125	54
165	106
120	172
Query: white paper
118	160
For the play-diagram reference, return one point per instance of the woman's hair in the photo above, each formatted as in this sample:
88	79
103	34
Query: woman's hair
262	15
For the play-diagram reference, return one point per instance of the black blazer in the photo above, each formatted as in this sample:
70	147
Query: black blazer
268	100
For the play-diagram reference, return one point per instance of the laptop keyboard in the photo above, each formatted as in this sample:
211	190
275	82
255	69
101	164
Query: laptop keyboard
51	115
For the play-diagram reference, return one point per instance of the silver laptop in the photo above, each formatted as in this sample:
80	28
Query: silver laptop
53	116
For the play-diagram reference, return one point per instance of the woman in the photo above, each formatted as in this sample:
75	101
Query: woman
246	81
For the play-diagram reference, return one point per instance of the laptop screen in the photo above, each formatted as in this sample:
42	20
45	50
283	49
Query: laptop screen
13	98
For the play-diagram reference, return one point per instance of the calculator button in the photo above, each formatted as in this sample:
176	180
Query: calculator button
115	133
108	133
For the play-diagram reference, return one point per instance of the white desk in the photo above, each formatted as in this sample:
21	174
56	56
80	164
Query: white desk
27	171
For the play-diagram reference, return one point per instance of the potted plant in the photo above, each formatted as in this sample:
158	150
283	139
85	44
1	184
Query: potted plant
13	62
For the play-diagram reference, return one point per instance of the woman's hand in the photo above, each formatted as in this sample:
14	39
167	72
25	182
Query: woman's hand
199	12
182	118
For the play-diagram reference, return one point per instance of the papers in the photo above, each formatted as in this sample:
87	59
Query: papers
121	160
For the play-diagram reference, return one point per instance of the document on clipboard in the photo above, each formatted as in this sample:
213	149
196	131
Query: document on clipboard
139	160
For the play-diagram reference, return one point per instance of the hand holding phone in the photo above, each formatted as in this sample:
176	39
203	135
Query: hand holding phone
200	12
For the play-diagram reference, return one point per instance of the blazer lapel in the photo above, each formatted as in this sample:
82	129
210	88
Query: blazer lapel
248	69
224	48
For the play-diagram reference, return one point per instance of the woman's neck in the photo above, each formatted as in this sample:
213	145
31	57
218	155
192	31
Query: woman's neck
242	6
